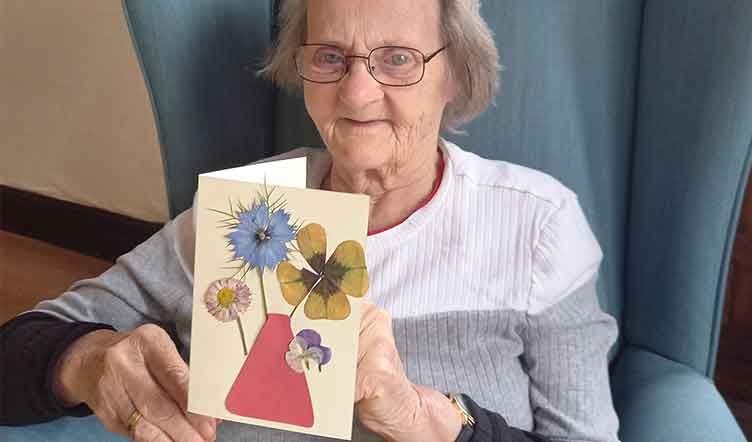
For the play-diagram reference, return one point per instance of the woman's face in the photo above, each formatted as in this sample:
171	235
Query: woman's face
365	124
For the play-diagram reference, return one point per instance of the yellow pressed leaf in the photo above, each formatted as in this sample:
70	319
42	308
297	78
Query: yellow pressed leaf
315	306
353	277
292	283
338	307
355	282
312	244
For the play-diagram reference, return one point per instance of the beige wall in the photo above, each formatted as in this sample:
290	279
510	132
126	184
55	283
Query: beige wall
75	118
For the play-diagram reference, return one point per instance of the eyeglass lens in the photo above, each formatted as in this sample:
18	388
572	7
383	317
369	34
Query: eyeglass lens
389	65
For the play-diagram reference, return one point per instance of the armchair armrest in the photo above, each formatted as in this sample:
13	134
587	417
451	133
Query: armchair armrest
79	429
659	400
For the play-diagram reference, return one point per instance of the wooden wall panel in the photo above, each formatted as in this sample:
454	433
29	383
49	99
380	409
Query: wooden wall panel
738	307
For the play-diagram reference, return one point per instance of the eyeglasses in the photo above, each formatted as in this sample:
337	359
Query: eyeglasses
389	65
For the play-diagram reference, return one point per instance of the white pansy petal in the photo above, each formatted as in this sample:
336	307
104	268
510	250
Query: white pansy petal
295	347
294	361
302	343
314	354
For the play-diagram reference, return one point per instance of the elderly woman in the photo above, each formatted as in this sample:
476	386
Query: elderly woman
487	325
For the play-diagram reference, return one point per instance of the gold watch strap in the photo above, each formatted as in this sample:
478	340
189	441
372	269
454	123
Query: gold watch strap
459	404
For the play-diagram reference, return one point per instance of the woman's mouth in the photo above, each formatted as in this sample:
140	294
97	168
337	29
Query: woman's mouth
363	124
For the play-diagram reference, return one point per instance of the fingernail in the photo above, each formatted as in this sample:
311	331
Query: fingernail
207	431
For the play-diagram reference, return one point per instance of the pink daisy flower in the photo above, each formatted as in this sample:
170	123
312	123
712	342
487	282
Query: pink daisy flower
227	298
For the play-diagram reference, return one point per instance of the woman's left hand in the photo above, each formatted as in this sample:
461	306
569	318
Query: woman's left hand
386	401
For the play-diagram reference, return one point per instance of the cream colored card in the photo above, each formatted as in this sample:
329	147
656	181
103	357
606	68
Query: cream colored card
282	353
290	172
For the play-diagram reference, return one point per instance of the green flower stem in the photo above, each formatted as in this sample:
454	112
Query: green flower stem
296	307
263	289
242	336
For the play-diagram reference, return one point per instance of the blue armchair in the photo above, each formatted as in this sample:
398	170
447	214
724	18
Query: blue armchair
644	108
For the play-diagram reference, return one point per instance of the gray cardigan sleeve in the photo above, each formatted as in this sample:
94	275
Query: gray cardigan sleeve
566	354
145	285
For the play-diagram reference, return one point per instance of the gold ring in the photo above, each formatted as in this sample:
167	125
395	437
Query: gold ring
133	420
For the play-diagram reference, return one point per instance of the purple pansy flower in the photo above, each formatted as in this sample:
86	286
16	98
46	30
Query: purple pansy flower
306	348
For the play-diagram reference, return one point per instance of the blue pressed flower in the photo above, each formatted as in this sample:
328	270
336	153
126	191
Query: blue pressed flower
261	238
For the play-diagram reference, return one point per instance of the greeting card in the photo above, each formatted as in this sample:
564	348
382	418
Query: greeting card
280	274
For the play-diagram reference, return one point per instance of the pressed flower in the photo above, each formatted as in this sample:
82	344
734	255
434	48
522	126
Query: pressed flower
227	298
306	348
332	280
261	236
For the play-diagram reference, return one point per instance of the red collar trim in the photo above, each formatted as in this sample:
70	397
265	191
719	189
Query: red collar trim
423	203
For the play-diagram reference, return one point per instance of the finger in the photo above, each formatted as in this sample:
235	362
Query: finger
379	370
361	388
158	408
206	425
375	317
367	315
165	364
171	372
145	431
111	403
375	329
379	366
368	321
111	422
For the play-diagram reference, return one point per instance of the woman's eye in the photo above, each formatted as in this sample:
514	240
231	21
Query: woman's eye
330	58
399	59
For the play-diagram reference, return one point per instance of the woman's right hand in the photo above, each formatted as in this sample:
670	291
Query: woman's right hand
118	373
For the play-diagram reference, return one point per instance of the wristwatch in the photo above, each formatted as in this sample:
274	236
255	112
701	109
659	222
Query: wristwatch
468	421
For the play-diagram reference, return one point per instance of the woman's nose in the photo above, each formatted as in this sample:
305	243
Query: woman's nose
358	88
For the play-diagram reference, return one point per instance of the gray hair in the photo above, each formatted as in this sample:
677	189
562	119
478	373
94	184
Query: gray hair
473	57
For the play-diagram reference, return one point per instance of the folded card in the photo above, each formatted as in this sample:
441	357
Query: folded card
279	277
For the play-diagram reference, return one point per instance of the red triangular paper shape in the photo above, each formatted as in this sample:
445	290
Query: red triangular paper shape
267	388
